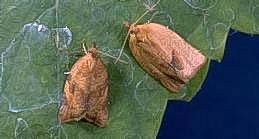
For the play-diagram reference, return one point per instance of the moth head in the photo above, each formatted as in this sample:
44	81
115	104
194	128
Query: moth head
138	33
131	27
92	49
133	30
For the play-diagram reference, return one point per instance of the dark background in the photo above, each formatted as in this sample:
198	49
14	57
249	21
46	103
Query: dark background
227	106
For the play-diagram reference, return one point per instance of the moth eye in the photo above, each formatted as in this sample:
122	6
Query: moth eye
131	32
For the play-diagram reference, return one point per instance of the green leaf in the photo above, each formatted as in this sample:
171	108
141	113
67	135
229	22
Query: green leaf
33	62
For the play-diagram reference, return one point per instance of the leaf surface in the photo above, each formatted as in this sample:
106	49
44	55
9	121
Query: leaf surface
32	66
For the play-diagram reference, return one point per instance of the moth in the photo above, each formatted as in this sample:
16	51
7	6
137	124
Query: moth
164	54
86	91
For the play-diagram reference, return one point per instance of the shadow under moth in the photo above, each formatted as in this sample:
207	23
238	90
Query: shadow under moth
164	54
86	91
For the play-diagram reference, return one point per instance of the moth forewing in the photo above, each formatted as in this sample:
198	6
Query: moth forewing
86	91
164	54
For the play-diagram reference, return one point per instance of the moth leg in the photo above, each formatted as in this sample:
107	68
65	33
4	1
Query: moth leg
67	73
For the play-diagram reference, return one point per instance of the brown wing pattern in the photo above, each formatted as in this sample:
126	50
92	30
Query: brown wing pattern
86	92
164	54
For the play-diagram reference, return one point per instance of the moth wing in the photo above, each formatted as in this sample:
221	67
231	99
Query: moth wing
75	89
71	107
159	67
99	116
161	62
185	58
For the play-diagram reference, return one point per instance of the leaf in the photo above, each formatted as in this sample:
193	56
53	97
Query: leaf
31	79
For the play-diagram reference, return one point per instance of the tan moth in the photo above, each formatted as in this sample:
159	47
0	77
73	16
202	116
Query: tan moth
164	54
86	91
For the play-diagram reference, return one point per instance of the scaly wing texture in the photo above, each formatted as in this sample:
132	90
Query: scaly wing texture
32	68
85	92
165	55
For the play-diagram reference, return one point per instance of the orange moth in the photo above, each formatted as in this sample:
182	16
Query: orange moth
86	91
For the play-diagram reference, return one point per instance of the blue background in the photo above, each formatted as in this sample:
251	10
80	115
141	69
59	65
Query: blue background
227	106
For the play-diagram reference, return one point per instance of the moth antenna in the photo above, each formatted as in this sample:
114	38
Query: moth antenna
100	52
106	54
122	48
111	56
147	11
138	19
